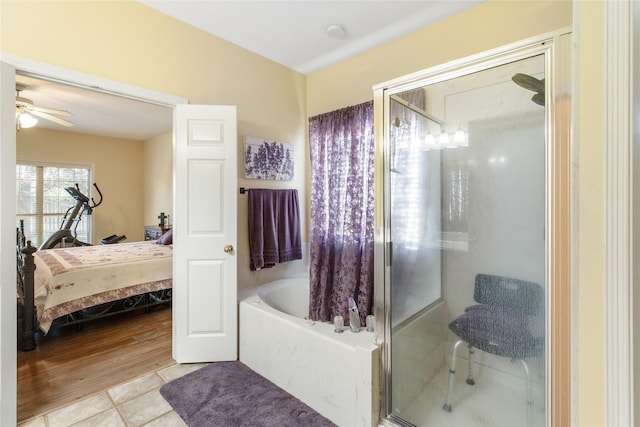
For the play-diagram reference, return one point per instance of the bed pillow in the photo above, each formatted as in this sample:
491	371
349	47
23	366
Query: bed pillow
166	238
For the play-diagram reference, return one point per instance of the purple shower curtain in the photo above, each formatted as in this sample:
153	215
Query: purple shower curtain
342	147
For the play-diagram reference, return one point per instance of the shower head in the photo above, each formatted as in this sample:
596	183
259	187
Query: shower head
538	98
528	82
533	84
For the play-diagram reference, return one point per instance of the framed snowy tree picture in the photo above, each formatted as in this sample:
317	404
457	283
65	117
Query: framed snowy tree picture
265	159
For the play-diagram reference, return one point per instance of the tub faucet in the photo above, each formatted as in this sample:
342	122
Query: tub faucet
354	316
354	320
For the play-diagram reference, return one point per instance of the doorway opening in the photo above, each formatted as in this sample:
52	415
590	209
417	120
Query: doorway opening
76	81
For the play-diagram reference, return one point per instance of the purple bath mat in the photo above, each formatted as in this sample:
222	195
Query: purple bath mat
230	394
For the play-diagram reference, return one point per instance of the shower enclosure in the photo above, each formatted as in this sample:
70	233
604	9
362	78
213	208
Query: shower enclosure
465	179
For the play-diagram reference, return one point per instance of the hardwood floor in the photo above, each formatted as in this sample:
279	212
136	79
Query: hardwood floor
68	365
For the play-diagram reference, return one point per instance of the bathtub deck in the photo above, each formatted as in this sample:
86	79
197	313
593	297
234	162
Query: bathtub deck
335	374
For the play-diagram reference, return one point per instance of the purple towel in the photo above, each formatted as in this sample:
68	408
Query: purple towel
274	227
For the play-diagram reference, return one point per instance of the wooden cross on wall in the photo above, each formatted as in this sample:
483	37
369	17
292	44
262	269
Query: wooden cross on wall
162	217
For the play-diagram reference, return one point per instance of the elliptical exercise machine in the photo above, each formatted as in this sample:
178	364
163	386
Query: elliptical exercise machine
66	235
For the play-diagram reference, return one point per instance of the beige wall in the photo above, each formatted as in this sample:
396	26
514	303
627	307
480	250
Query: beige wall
128	42
135	177
487	26
157	171
117	166
589	137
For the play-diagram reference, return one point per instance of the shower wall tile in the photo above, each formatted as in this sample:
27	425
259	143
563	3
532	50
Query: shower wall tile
506	212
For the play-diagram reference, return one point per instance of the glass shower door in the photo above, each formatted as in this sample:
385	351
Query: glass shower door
466	220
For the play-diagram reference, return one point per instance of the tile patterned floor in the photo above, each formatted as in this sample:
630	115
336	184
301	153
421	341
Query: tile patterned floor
136	403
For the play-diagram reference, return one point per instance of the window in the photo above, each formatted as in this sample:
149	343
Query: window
41	200
341	242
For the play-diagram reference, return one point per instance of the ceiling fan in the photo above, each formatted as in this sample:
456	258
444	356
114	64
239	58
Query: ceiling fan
25	112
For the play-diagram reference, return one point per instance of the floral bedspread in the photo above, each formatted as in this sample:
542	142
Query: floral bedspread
69	279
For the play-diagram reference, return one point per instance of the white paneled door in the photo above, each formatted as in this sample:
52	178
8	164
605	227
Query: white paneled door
204	241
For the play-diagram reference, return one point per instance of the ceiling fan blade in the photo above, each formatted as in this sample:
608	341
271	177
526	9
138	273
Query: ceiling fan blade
50	110
51	118
25	102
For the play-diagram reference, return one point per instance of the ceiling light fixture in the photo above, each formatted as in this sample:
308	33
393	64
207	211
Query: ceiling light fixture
461	138
25	120
336	31
443	139
429	140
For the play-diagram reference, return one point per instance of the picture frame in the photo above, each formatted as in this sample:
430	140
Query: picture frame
268	159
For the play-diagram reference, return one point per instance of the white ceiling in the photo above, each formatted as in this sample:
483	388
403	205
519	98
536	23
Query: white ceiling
292	33
96	113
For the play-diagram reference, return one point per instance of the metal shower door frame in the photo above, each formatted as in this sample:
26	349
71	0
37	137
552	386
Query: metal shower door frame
559	199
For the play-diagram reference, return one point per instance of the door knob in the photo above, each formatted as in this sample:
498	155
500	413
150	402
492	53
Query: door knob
228	249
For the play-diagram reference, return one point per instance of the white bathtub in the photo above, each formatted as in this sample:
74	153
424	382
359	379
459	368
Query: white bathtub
290	296
335	374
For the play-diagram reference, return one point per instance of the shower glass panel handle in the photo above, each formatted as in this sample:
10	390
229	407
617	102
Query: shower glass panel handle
466	272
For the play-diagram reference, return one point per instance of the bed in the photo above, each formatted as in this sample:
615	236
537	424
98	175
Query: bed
65	286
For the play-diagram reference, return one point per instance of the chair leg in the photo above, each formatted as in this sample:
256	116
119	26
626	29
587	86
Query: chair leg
529	393
470	380
452	374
